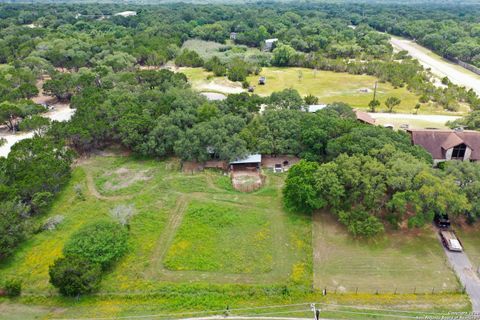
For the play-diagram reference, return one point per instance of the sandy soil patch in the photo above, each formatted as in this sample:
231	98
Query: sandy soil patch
124	177
224	88
214	96
246	181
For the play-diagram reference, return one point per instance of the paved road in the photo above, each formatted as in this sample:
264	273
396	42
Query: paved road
467	275
438	66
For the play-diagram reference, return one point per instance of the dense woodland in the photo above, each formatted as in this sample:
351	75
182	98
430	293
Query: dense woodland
370	177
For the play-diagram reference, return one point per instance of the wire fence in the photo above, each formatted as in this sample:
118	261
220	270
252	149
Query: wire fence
401	289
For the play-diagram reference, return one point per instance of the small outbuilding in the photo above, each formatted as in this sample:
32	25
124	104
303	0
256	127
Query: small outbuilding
262	81
269	43
233	36
364	117
249	163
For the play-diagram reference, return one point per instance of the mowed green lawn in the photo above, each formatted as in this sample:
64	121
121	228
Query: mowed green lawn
470	238
328	86
226	238
331	87
401	261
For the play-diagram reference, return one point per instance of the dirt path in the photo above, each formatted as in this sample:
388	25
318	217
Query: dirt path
59	112
166	239
94	192
439	66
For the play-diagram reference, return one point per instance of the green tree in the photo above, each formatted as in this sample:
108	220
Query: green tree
101	243
35	123
391	103
361	223
283	55
13	226
286	99
373	105
238	70
300	192
9	114
62	86
37	165
310	99
74	276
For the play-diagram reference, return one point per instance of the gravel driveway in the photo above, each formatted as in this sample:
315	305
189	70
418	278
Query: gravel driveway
467	276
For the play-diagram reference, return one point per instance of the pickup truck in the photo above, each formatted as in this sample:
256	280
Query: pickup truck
450	241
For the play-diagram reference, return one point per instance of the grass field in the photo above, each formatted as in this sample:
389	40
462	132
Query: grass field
196	244
326	85
470	238
208	49
226	238
401	261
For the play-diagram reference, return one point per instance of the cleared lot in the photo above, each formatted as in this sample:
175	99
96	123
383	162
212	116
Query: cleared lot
403	261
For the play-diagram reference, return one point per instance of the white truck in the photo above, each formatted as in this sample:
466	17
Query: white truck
450	241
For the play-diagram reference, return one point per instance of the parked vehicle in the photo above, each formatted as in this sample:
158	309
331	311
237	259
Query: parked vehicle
450	241
442	221
262	81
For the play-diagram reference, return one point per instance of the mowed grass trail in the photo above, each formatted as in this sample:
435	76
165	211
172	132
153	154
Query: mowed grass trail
223	233
196	244
401	261
222	237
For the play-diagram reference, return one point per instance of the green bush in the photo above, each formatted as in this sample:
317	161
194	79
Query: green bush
13	288
74	276
101	243
361	223
189	58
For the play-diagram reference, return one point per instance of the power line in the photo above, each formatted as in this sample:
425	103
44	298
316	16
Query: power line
160	315
306	310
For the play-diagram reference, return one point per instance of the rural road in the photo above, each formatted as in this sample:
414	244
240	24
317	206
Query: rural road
467	276
438	65
409	116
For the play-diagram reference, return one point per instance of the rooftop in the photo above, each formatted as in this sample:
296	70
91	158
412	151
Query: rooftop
436	142
253	158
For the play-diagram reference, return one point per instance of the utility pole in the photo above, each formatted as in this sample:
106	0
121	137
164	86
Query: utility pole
375	91
316	312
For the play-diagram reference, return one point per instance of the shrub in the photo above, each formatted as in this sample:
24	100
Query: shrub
74	276
123	213
79	192
41	201
189	58
361	223
13	288
100	243
52	222
311	99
